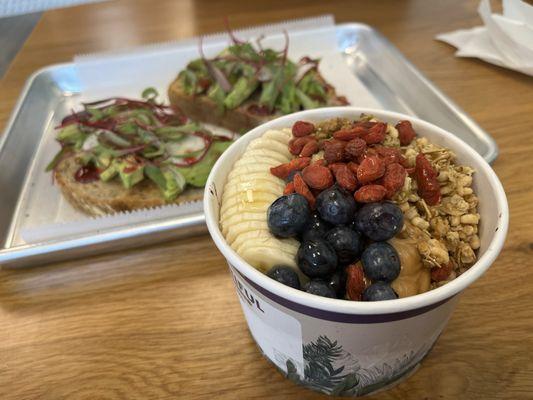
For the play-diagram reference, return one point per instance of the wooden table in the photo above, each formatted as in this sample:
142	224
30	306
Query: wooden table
164	322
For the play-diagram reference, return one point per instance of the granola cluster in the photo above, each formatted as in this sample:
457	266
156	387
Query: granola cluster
448	231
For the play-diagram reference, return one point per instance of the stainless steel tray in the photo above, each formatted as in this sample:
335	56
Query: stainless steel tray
395	83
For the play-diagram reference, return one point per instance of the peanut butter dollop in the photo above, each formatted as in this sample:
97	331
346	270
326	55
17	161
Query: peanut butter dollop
414	278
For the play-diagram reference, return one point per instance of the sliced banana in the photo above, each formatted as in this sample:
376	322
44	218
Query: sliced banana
279	136
244	170
256	183
260	153
249	191
240	217
264	258
271	144
242	209
243	199
263	237
243	227
272	162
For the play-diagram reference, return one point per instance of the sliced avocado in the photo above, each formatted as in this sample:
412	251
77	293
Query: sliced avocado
103	160
175	182
169	180
110	172
84	158
306	101
243	88
196	174
72	134
288	103
130	172
103	156
216	93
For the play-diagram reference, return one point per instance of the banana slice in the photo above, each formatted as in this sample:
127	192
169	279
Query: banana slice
249	191
263	238
247	195
279	136
256	183
245	170
260	153
241	199
264	258
250	187
272	162
270	144
246	208
236	218
243	227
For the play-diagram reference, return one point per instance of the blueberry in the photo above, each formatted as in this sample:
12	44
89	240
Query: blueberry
285	275
379	291
381	262
337	282
346	242
317	259
320	288
288	215
336	206
379	221
315	229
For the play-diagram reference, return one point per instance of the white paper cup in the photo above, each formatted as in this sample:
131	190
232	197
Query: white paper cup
344	347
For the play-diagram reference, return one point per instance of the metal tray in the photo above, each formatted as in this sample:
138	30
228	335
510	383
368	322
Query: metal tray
395	83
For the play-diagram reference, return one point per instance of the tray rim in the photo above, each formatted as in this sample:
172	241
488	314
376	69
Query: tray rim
15	256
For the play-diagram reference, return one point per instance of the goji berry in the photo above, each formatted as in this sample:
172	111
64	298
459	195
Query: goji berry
302	128
389	155
403	161
441	273
333	167
376	134
426	178
370	169
355	281
301	187
393	179
310	148
345	178
317	177
334	150
369	152
353	167
282	171
370	193
406	132
321	162
289	188
297	144
355	148
351	133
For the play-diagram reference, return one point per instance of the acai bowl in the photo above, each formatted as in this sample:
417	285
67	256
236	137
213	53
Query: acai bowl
366	340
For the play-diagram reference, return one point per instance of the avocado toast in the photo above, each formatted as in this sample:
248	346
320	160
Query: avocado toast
121	154
246	85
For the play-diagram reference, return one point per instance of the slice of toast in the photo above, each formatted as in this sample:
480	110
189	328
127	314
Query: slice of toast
202	108
240	120
100	198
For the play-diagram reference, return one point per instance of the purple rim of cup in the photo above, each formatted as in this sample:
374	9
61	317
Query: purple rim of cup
337	316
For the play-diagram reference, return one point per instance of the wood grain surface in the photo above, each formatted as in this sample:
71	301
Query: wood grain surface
164	322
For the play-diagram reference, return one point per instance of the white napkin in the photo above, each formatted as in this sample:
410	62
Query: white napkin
505	40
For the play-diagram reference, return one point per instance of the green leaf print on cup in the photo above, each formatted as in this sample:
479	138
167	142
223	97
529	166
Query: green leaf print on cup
330	369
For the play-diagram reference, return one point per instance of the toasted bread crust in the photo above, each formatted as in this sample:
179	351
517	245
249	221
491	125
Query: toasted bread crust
202	108
99	198
240	120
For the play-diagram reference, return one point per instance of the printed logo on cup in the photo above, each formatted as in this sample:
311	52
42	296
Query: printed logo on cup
278	335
